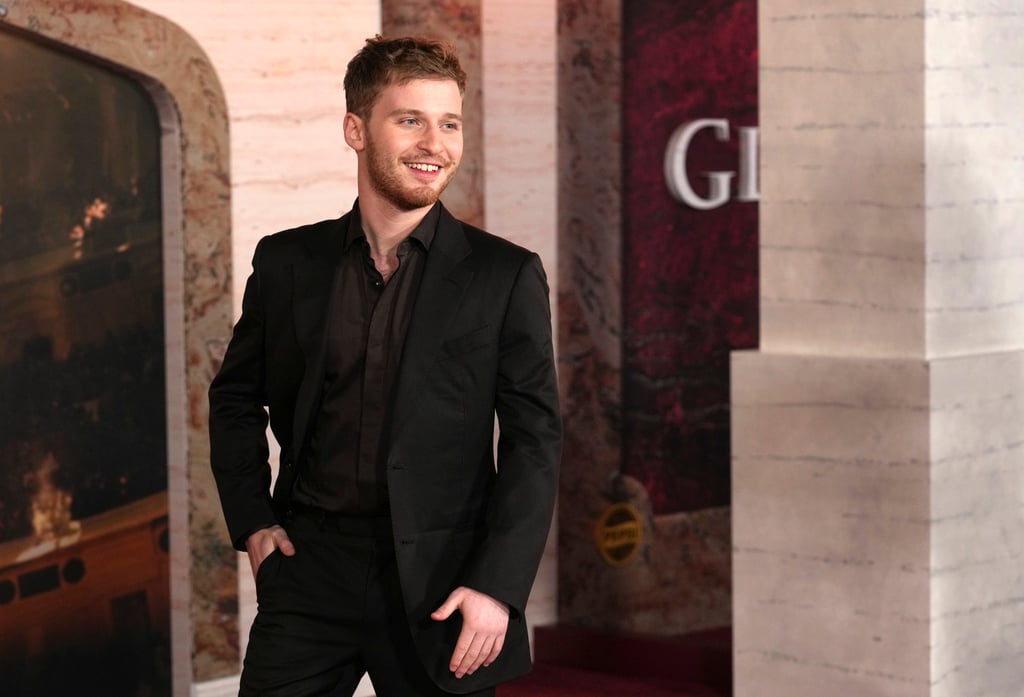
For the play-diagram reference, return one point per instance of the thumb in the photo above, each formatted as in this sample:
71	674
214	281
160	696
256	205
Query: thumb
447	608
284	543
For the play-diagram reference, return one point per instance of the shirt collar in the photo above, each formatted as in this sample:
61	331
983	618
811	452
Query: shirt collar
423	233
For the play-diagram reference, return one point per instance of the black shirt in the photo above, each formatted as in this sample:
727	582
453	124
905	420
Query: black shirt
367	323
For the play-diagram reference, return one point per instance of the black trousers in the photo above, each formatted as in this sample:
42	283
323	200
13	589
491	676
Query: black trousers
332	613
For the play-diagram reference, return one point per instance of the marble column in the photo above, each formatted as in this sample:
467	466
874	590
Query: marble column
878	431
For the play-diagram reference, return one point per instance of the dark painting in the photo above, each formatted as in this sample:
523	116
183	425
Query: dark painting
83	439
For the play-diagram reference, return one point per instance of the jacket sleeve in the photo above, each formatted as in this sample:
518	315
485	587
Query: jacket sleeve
522	502
239	453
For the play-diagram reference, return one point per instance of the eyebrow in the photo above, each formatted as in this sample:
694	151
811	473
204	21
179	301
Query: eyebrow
416	112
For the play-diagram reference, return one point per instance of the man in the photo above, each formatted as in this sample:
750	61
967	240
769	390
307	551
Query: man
383	344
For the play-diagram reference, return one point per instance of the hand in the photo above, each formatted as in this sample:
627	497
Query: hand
261	543
484	623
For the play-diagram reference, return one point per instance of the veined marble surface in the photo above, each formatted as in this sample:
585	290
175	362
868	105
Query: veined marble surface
977	531
830	526
877	525
891	200
877	435
842	191
974	149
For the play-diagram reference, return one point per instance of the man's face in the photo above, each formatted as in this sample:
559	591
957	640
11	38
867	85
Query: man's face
413	142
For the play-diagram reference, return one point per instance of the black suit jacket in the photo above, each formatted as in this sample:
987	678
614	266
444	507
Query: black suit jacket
478	344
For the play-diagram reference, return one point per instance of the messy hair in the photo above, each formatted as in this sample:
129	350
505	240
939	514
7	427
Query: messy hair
385	62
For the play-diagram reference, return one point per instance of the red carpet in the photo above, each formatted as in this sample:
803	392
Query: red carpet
555	681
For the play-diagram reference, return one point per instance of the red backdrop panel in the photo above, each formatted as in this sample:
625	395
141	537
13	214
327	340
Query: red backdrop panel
690	279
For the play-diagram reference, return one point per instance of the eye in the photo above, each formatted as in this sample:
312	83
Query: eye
409	121
450	126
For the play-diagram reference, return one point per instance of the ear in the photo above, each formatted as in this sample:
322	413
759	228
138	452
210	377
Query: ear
355	130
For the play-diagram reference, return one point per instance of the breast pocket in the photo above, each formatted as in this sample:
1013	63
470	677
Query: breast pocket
465	343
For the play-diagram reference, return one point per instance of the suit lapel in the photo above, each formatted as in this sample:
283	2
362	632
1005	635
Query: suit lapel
313	284
442	287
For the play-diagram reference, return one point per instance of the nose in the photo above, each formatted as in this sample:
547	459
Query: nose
431	141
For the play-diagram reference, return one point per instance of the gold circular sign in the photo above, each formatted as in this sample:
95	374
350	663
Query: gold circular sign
618	534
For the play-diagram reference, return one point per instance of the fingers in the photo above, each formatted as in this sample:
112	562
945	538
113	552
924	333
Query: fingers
262	543
283	542
481	650
499	642
484	623
470	655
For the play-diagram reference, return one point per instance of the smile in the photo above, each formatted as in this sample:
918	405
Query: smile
423	167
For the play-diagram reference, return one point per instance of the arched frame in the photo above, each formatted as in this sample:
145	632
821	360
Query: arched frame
192	110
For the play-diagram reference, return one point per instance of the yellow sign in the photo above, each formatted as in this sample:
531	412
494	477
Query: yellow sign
618	534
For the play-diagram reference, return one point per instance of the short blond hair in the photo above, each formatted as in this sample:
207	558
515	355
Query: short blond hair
384	62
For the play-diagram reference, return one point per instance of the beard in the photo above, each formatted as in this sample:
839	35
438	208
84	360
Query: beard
386	178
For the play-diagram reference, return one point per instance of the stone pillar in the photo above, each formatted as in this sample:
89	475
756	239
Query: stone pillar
877	433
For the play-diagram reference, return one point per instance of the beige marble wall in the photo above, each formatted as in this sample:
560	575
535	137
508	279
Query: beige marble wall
975	192
877	478
830	526
977	524
281	66
842	194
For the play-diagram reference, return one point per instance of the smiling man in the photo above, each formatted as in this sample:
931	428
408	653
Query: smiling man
381	346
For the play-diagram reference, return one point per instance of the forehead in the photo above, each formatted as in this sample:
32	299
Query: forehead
428	96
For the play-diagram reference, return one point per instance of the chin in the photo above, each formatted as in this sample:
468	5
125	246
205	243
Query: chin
410	200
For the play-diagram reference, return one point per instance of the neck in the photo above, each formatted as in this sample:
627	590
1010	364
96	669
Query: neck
386	226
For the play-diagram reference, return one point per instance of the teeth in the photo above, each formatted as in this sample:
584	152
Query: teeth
424	168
